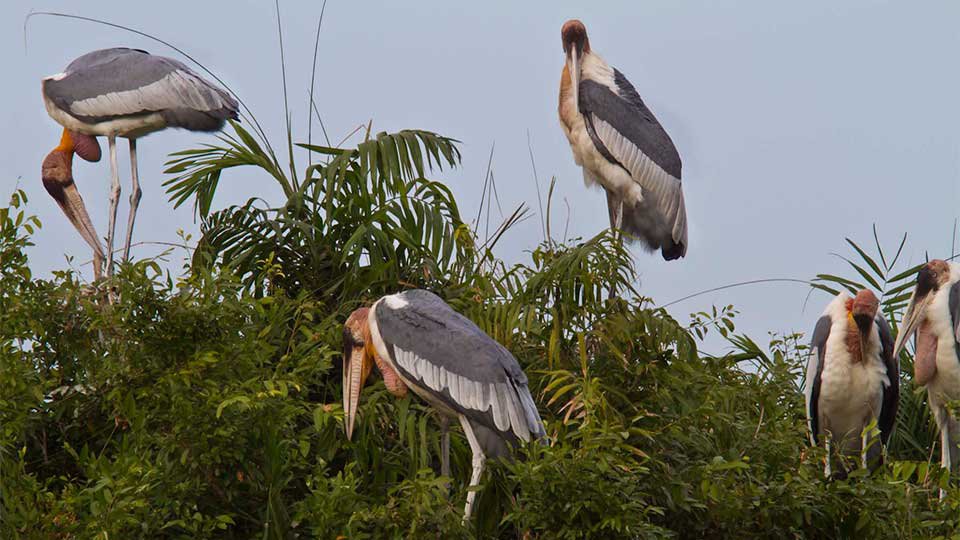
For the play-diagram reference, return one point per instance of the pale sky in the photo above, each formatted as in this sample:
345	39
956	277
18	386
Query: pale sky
798	123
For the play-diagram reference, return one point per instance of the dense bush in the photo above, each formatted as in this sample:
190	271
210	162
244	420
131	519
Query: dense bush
207	406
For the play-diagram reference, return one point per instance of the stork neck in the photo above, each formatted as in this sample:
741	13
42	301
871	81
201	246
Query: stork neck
854	341
66	144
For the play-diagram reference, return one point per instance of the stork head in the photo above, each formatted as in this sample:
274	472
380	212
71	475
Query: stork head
359	357
862	309
574	36
57	167
934	275
575	45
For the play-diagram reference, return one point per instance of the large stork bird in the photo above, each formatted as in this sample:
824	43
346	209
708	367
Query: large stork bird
621	146
934	316
127	93
419	342
853	380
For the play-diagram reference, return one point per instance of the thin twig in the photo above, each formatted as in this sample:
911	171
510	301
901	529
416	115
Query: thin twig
313	78
732	285
536	182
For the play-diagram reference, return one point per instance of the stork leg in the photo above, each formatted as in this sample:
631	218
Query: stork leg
944	449
114	201
134	198
479	459
826	463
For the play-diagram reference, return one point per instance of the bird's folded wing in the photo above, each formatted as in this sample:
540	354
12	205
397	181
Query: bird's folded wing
446	353
811	390
891	393
130	82
629	133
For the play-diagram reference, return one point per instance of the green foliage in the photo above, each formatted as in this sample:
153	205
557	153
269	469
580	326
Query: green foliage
209	406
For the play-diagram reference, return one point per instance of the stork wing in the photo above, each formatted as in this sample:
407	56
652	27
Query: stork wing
457	363
891	394
626	132
818	349
954	305
114	83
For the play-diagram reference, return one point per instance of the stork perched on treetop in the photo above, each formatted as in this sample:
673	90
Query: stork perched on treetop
934	316
419	342
853	379
621	146
128	93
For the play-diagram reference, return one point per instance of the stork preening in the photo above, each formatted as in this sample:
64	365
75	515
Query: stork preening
127	93
934	316
620	146
853	381
419	342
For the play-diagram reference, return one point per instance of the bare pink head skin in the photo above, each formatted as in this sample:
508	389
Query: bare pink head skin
57	174
574	37
930	279
359	357
862	310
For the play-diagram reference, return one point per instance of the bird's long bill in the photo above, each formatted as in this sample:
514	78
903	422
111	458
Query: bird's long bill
911	321
574	67
864	326
356	367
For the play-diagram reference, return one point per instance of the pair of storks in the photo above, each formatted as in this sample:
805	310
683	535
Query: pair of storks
416	340
853	373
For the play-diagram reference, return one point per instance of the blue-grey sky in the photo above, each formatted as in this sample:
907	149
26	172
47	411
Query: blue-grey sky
798	123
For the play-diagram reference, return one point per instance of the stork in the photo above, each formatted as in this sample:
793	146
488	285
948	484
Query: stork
621	147
121	92
853	380
934	316
419	342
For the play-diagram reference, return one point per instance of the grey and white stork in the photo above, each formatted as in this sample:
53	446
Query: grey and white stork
127	93
853	380
419	342
934	316
622	147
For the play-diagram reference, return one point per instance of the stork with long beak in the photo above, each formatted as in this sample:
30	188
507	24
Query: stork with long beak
419	342
853	380
621	147
934	316
128	93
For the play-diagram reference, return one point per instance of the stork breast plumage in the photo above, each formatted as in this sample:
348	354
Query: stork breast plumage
444	353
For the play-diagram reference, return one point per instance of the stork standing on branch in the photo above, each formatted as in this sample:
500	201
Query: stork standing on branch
853	380
127	93
934	316
419	342
621	147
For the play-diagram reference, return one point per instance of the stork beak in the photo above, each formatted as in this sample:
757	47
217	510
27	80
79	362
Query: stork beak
864	324
573	63
356	368
916	312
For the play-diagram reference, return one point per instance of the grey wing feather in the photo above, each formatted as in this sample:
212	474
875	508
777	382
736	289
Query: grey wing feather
462	366
626	133
115	83
891	393
818	348
954	305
